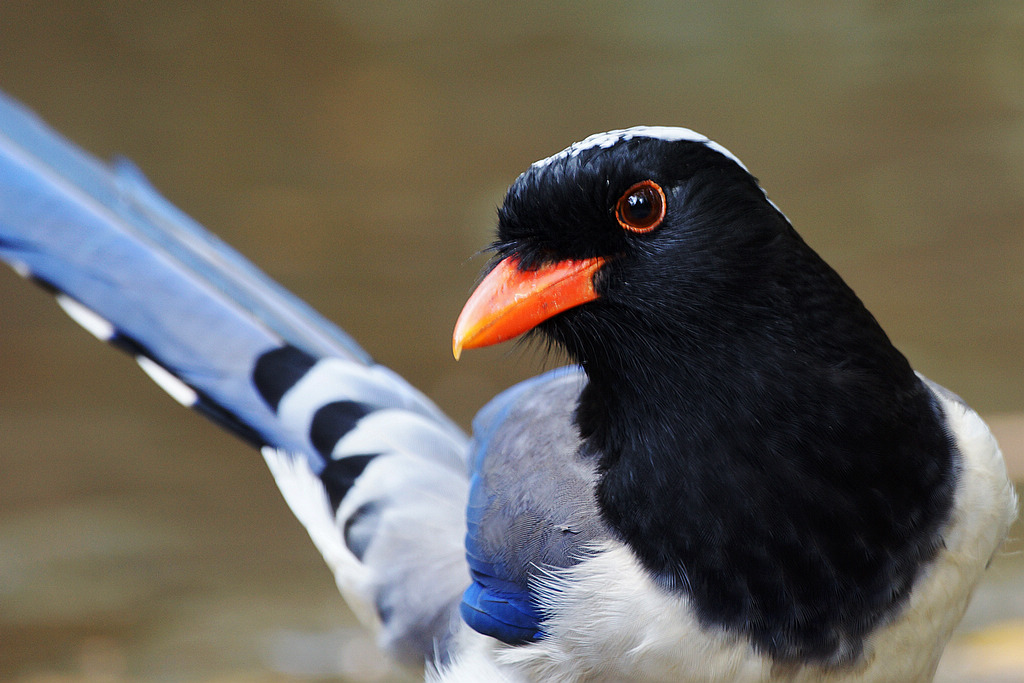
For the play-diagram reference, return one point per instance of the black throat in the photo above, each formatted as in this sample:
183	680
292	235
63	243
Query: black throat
781	465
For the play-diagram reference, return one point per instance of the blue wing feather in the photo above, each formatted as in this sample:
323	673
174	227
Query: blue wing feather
515	513
169	290
374	471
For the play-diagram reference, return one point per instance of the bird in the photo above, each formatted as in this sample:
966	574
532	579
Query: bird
737	478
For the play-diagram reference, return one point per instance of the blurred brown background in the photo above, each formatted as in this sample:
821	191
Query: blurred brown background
357	152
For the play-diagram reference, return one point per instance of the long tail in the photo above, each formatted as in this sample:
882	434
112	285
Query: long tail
369	465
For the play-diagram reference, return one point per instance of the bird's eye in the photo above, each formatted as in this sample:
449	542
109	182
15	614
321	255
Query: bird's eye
641	208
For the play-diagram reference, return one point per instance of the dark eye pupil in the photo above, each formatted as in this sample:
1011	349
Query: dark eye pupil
638	206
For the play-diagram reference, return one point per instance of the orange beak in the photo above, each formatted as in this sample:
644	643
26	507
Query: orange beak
510	301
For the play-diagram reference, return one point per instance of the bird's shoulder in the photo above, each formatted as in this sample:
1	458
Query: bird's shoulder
531	508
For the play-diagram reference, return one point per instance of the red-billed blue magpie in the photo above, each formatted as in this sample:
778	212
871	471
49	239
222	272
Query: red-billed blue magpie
740	479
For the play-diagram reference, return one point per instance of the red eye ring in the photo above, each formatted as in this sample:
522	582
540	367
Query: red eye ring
641	208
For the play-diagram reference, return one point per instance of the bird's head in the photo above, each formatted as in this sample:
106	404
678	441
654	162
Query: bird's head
641	233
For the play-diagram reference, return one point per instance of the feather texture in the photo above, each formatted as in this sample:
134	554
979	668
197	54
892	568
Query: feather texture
738	441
